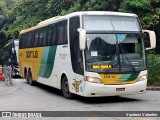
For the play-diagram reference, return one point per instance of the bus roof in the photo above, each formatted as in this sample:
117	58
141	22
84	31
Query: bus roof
59	18
100	13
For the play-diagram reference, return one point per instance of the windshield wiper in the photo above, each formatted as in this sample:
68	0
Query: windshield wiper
123	53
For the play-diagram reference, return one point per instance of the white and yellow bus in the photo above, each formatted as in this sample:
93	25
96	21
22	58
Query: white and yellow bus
92	53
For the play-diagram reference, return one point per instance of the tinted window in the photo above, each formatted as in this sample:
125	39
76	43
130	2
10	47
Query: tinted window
32	38
24	40
54	34
50	35
61	33
36	38
76	54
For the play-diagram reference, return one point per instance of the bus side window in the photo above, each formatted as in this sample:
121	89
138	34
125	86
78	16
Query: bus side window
61	33
50	33
36	39
26	40
32	38
29	40
56	33
40	38
44	41
49	36
54	40
21	39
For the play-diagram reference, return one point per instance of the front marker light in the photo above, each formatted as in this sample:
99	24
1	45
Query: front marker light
143	77
93	80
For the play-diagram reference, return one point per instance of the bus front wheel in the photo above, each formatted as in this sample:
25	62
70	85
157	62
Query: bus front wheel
65	88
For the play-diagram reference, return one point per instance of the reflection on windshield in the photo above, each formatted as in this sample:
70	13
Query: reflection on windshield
110	23
114	53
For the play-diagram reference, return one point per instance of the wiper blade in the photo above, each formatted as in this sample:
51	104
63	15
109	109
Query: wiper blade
123	53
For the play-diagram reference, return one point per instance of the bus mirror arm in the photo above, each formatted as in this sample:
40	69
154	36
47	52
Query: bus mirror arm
82	38
152	38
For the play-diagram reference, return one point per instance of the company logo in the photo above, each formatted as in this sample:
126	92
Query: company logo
6	114
76	85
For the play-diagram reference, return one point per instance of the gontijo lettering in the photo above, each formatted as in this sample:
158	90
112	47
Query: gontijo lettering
31	54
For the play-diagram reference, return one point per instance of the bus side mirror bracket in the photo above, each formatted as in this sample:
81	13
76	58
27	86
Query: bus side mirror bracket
152	38
82	38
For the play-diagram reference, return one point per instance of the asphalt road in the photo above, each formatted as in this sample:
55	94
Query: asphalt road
23	97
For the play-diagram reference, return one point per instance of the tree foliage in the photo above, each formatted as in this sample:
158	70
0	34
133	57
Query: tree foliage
16	15
21	14
92	5
147	10
5	7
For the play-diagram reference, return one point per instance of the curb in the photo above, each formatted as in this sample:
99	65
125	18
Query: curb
153	88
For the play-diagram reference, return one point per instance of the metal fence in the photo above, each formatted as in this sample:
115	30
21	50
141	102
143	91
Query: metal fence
7	76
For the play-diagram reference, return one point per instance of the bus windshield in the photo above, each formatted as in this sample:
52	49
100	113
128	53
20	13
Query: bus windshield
115	53
110	23
114	44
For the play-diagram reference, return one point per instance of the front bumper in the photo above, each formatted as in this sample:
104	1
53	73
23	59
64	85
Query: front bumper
94	89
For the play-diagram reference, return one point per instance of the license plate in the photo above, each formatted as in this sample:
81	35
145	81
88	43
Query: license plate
120	89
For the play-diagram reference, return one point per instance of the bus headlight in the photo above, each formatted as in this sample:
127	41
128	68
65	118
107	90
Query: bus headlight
93	80
143	77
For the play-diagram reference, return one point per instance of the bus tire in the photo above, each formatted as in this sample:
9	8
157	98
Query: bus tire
27	79
65	88
25	75
30	80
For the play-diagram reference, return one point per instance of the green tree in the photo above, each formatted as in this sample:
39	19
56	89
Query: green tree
92	5
26	14
55	7
5	6
147	10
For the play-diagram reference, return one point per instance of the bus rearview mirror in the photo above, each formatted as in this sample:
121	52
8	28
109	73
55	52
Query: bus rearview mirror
152	38
82	38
